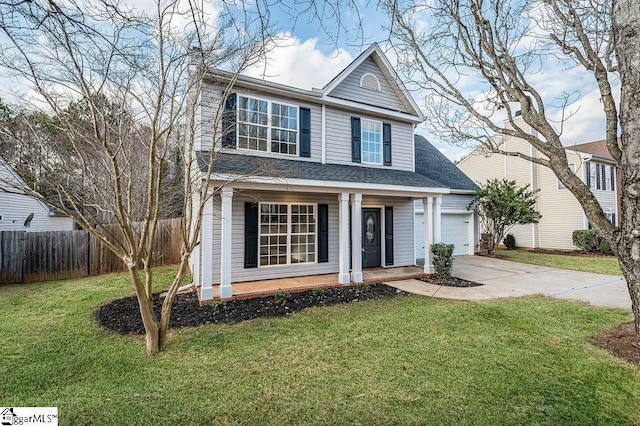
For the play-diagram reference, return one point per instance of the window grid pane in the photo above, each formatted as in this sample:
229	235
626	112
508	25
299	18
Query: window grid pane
284	129
253	120
280	245
371	141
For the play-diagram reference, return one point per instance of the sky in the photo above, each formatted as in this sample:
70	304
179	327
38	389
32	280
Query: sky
309	55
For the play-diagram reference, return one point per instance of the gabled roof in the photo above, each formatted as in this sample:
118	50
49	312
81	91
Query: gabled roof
381	60
278	168
597	148
433	164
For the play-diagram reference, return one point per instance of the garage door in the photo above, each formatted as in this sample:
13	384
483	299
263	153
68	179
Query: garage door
455	230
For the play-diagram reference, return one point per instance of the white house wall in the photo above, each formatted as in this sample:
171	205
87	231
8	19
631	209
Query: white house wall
15	208
338	128
350	89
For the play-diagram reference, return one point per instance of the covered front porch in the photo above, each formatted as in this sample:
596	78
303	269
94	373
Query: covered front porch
262	288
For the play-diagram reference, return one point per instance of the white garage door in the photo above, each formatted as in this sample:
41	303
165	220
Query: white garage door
455	230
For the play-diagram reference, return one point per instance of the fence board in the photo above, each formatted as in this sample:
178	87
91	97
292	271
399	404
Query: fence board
43	256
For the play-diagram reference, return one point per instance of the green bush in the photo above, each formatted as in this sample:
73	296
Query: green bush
509	241
586	239
589	240
442	259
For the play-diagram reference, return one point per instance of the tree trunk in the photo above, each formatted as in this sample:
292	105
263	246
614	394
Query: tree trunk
626	33
145	302
165	315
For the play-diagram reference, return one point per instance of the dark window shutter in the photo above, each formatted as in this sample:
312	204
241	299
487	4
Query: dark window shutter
323	233
386	140
388	235
250	235
613	219
597	176
305	132
588	168
356	148
613	178
229	122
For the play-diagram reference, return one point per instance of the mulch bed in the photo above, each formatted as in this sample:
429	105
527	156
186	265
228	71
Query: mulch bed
621	342
123	315
450	282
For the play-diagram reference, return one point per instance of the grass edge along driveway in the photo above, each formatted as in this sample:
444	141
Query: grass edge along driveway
395	361
607	265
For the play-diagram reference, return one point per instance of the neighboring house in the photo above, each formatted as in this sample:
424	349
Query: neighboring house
458	222
561	212
318	181
19	212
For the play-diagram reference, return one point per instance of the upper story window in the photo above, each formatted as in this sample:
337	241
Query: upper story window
267	126
600	176
371	141
370	81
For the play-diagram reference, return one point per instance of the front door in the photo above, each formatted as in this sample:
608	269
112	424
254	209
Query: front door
371	238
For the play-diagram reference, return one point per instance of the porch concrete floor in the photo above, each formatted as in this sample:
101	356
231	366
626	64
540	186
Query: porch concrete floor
247	290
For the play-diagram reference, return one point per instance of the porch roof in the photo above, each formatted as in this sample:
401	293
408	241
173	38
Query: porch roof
277	168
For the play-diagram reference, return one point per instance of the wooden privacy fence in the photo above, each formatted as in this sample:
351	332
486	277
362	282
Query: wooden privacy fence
43	256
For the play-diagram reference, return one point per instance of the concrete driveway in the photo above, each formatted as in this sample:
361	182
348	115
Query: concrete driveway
502	278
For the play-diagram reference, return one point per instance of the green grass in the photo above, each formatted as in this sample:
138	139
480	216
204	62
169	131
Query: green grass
408	360
596	264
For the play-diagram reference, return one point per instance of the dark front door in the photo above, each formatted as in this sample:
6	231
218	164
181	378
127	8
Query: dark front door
371	238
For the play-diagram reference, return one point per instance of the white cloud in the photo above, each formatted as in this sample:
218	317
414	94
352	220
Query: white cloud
300	63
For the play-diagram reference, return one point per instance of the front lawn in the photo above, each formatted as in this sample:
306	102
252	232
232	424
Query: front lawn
403	360
596	264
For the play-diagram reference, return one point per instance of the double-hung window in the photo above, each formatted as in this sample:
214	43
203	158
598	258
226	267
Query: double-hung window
267	126
371	141
287	234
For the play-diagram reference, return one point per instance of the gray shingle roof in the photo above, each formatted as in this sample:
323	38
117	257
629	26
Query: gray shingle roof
433	164
248	165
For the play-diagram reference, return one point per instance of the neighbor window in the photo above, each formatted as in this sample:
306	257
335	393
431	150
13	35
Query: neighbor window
371	141
287	234
267	126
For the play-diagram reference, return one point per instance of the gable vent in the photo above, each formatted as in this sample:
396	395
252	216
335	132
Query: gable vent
370	81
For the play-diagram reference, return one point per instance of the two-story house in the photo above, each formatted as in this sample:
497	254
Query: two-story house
561	212
315	181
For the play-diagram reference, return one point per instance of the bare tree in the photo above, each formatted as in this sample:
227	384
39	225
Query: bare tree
120	89
500	46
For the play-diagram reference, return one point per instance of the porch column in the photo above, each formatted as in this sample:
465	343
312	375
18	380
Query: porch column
225	239
437	220
343	218
206	251
356	238
428	234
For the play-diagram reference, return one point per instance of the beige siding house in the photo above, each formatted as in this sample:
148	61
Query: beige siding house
561	212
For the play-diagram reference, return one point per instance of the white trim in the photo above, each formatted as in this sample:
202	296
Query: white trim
323	185
269	125
288	204
366	108
381	152
343	238
374	49
206	256
534	187
427	202
356	238
226	238
368	74
324	134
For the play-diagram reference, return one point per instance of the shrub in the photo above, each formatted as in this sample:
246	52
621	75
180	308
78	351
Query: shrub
586	239
605	248
509	241
442	259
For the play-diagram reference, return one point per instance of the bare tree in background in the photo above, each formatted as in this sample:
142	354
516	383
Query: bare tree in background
501	45
119	88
